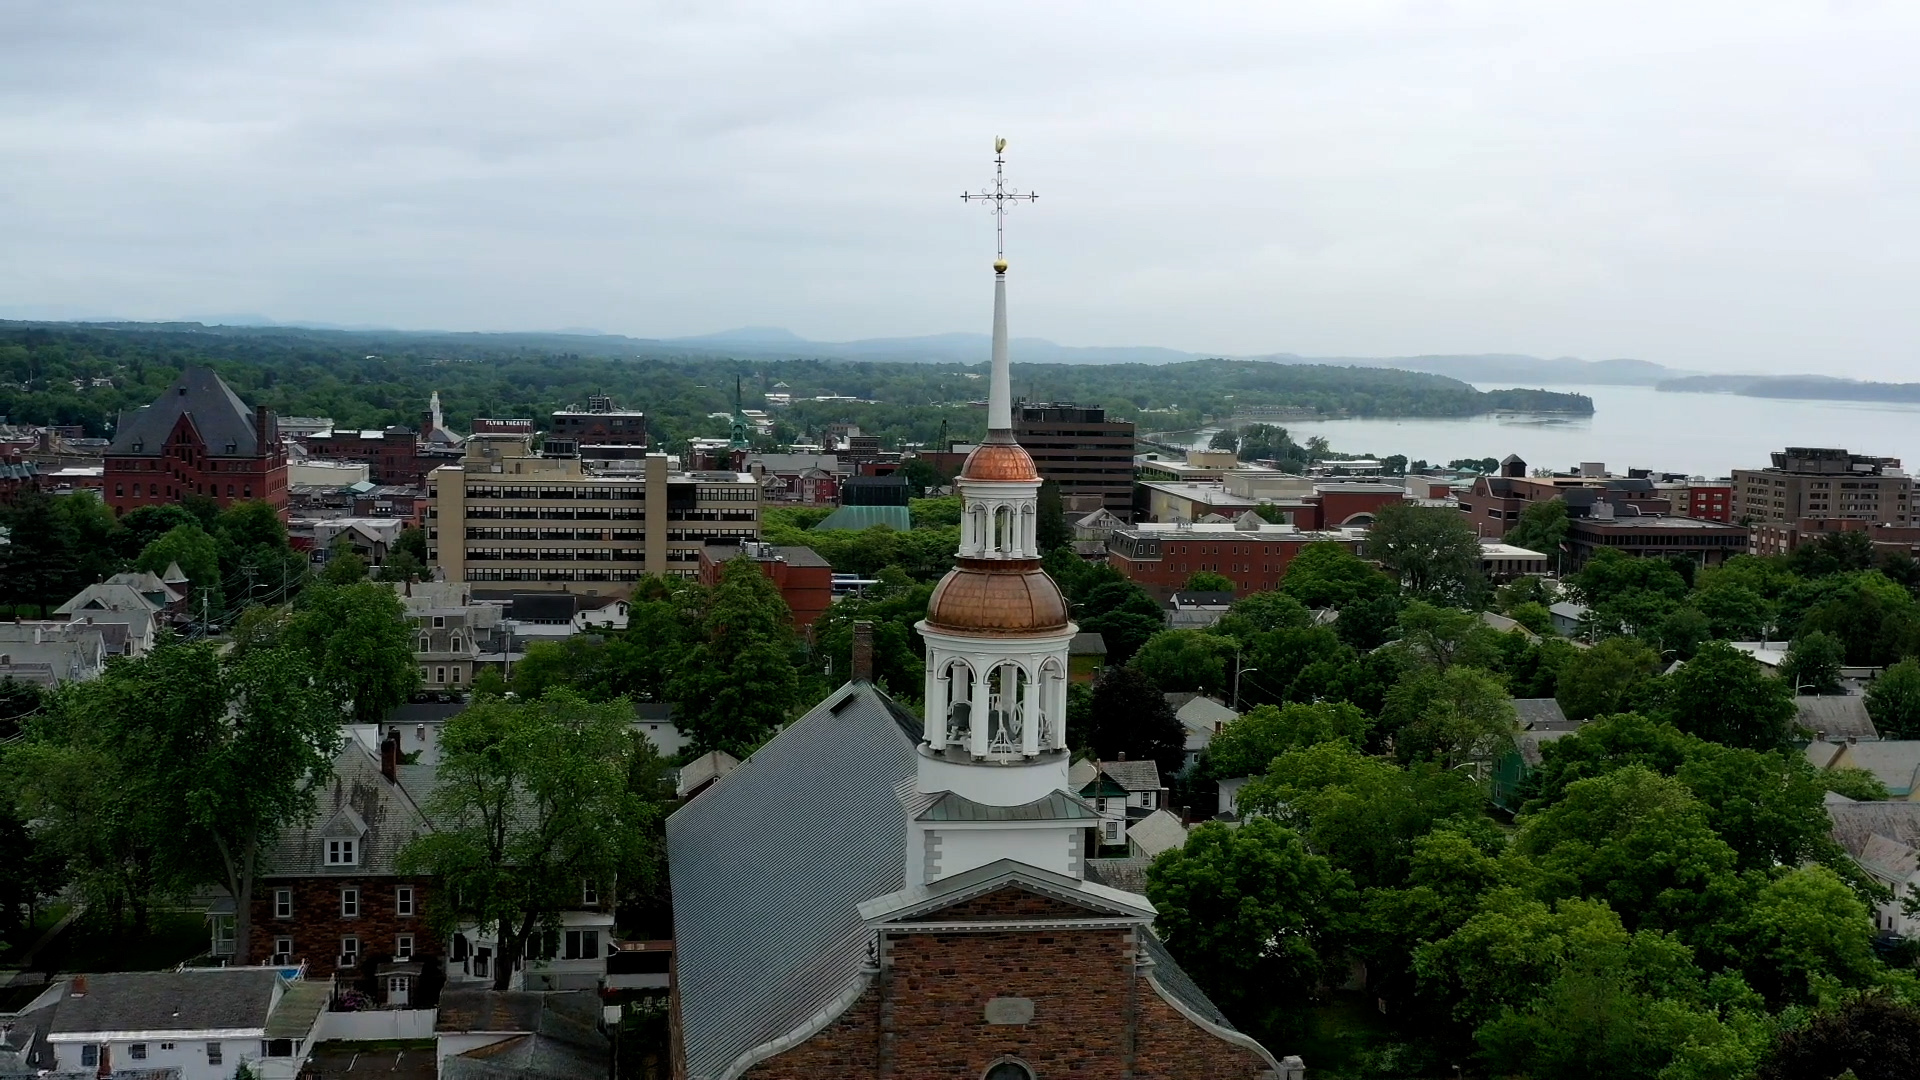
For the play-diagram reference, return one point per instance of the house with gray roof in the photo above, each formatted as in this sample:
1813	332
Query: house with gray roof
1834	716
1201	717
190	1024
46	654
1894	762
1883	839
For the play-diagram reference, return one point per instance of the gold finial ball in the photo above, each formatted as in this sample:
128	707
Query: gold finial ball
999	266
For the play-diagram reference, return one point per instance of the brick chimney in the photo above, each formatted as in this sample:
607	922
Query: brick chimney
262	426
862	651
390	756
79	986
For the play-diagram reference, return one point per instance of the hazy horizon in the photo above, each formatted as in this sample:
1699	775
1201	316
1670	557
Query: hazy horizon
1720	187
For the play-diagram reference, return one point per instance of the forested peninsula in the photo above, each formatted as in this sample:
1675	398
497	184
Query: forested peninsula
84	374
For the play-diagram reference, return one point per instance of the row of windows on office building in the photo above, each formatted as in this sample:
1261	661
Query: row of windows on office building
604	492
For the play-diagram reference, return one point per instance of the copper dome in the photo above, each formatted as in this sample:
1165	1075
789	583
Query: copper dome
1017	600
999	461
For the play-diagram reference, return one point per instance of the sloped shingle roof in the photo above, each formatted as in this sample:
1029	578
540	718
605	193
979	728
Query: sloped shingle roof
218	415
1133	775
203	1000
1835	715
356	789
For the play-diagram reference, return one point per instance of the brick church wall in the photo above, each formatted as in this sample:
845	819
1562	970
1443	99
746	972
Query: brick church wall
925	1019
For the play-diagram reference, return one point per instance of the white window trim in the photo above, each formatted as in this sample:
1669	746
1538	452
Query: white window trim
350	902
403	903
343	852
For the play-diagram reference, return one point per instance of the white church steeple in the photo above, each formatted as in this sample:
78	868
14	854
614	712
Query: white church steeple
997	631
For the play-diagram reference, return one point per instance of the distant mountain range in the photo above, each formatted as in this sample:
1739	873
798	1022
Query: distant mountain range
1503	368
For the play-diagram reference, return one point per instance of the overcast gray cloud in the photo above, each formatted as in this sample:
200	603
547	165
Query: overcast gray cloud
1722	186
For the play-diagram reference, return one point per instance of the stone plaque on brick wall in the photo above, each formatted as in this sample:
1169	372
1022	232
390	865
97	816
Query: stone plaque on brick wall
1010	1010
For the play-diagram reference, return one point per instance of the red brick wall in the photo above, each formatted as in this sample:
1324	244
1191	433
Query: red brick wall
1094	1016
317	925
1006	904
1256	567
1337	506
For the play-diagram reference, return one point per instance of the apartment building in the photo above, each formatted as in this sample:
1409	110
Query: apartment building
1810	484
1089	456
1494	504
1253	554
549	522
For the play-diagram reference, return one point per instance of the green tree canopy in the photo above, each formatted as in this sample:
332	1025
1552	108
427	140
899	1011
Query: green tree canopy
1246	746
1813	664
1893	701
1250	913
1188	660
1326	574
1452	716
1208	581
199	559
1608	678
738	683
1542	527
532	801
1131	716
359	643
1431	551
1725	696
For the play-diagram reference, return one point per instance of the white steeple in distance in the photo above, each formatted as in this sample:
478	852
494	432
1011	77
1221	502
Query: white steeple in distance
997	629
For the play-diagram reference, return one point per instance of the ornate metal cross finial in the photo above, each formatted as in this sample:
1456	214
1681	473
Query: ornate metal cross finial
998	201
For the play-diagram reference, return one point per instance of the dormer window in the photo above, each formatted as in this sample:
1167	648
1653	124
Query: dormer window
439	622
343	852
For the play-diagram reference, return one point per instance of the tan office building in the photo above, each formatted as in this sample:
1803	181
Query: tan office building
506	518
1808	485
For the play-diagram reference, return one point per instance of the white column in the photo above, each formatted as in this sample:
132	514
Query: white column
933	726
1058	692
980	718
1030	705
1029	531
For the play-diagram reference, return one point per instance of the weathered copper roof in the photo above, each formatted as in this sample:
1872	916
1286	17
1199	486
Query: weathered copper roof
999	461
1017	599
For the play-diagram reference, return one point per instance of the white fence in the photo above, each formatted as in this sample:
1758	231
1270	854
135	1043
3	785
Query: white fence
376	1024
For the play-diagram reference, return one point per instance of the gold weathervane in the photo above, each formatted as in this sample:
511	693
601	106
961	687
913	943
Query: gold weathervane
999	199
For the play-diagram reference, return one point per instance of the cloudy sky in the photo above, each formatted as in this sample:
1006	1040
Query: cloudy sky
1717	186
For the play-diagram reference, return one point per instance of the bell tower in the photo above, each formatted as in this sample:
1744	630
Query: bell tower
997	632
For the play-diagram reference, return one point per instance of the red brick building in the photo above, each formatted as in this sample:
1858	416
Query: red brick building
197	438
391	455
805	580
330	896
1160	558
1495	504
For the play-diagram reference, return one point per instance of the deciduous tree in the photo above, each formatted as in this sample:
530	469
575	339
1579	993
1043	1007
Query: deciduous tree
360	645
1893	701
532	800
1724	695
1131	717
738	682
1432	552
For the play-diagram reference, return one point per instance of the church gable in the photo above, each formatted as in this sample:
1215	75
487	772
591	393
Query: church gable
1010	902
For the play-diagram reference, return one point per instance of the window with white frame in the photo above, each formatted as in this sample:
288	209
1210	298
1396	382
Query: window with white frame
582	945
216	1053
349	951
283	950
589	894
403	900
137	1051
283	903
89	1055
350	903
166	1046
403	947
343	852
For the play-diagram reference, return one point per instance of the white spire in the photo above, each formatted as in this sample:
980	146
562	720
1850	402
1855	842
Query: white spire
1000	383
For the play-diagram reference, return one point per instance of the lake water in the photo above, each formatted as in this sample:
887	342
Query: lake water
1634	427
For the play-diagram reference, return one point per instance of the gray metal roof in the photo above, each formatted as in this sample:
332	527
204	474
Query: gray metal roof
217	412
1133	775
1835	715
769	867
198	1000
1541	714
355	789
299	1007
1057	806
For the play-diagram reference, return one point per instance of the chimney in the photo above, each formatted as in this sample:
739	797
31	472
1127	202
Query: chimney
390	756
79	986
863	651
1122	757
106	1061
261	425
